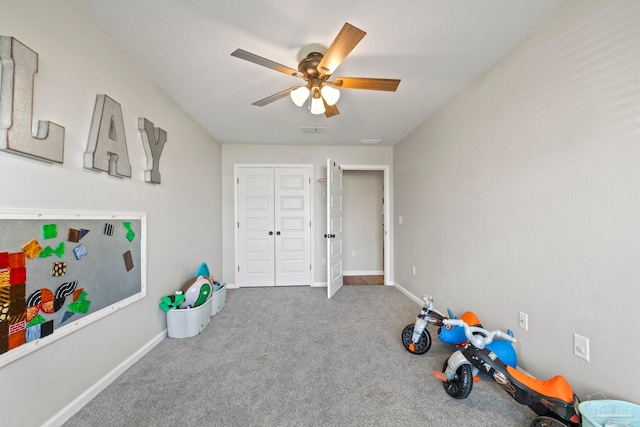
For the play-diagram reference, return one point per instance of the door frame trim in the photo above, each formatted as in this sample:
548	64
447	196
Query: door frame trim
237	166
388	230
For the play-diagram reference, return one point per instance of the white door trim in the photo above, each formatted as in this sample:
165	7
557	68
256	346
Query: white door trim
388	230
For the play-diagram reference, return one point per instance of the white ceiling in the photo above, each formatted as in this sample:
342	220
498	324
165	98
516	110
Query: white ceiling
436	47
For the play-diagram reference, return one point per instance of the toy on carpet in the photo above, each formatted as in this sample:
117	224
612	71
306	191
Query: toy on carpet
417	339
553	399
193	293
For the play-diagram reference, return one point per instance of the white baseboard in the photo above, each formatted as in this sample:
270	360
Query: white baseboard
319	285
409	294
68	411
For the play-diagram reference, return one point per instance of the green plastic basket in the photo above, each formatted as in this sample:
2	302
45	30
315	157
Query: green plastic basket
609	413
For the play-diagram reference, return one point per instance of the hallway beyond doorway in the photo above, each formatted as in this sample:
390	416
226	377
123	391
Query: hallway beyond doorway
363	280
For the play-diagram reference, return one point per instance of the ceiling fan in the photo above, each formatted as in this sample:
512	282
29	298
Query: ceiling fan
320	93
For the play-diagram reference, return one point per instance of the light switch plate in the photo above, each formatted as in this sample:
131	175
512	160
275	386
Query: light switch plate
581	347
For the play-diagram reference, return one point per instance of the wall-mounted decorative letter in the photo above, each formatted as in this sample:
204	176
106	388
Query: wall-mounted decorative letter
18	65
107	146
153	140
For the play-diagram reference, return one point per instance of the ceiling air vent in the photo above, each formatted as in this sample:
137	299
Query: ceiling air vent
370	141
314	129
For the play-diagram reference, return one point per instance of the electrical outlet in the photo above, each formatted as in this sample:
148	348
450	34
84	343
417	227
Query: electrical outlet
324	261
523	320
581	347
413	269
400	220
353	253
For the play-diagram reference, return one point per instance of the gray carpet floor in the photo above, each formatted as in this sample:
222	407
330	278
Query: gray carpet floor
292	357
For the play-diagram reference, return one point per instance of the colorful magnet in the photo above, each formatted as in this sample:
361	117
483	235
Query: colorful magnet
33	333
16	340
66	289
17	292
108	229
80	251
19	325
46	328
128	260
4	313
59	269
66	316
36	320
32	249
49	231
4	260
17	308
17	275
74	235
46	252
130	233
59	251
32	312
4	278
17	260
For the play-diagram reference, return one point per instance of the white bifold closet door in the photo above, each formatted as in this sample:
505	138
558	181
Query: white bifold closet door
274	226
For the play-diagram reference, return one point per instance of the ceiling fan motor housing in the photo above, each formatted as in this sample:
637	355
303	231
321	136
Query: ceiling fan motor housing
309	65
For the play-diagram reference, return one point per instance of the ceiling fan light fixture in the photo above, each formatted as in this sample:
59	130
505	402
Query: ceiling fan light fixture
330	94
316	106
299	95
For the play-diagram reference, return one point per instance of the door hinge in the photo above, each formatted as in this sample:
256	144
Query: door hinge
238	224
238	268
238	180
309	266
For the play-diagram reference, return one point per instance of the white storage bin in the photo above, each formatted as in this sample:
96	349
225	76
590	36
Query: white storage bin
219	299
188	322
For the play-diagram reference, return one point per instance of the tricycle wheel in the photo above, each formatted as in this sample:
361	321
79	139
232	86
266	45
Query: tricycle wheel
423	344
461	384
546	422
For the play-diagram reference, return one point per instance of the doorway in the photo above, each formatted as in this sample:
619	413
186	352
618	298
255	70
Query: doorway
363	234
335	252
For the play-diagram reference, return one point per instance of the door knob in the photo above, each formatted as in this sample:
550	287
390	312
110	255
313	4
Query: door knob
277	233
271	233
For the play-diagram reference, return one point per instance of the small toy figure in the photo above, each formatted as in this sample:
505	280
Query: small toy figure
171	301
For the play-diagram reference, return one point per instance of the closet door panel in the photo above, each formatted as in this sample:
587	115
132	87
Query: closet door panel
256	219
293	226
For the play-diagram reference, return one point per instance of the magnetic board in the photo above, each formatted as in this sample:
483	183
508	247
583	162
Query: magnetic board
60	271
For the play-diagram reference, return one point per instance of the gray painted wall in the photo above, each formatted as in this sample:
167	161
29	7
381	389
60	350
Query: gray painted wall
363	216
76	63
521	194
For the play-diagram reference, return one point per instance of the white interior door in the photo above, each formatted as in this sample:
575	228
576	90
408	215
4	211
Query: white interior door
334	228
256	235
293	226
274	226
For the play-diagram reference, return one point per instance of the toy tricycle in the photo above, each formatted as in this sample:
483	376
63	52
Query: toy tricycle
553	399
416	337
417	340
